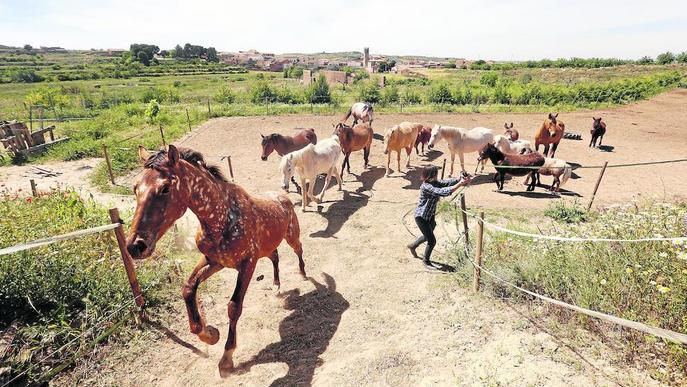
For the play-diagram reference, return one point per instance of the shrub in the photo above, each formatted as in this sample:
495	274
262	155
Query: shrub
287	95
26	76
681	57
225	95
261	93
411	97
645	60
489	79
665	58
573	213
390	94
526	78
440	94
54	98
369	91
318	91
152	111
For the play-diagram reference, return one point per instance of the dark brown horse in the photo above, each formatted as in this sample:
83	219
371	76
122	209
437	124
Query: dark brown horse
423	138
236	229
507	164
354	139
597	132
286	144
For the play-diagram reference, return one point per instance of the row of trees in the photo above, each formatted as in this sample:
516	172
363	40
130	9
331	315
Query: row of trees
192	51
663	59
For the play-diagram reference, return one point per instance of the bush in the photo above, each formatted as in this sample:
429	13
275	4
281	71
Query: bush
261	93
390	95
152	111
681	57
26	76
440	94
665	58
573	213
225	95
645	60
489	79
318	91
287	95
411	97
369	91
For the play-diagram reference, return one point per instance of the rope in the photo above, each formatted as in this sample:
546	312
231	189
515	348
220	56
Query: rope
640	163
57	238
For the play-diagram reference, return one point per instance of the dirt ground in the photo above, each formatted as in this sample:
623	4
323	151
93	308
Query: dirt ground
369	313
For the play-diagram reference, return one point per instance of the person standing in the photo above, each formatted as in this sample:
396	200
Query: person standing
431	191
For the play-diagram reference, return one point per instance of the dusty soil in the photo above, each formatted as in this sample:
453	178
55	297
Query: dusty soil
370	314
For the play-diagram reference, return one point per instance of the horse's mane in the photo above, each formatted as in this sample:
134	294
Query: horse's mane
158	160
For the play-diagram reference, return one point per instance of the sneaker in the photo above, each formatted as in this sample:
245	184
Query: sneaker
429	265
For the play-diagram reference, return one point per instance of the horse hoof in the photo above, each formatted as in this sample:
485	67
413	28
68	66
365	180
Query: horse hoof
209	335
226	366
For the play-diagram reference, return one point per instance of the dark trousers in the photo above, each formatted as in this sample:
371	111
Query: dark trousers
427	229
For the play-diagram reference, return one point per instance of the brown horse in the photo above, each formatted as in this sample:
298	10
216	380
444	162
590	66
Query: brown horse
236	229
286	144
597	132
513	134
354	139
514	165
423	138
550	132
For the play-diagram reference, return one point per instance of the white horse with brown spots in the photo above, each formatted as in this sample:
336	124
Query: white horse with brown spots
308	163
361	111
401	136
461	141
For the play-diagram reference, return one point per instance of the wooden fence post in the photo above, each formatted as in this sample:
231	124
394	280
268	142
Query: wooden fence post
478	252
443	168
209	111
31	118
109	164
126	259
596	187
162	135
188	119
34	191
231	170
465	219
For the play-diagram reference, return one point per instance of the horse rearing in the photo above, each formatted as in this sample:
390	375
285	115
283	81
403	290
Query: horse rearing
236	229
550	132
508	164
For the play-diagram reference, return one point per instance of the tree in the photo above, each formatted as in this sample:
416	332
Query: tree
681	57
489	79
665	58
212	55
178	51
143	58
645	60
369	92
28	47
148	51
386	66
318	91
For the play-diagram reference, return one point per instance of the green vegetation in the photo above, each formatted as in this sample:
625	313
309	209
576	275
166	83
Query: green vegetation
644	282
67	294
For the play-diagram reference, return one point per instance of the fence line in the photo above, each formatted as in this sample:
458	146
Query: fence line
577	166
58	238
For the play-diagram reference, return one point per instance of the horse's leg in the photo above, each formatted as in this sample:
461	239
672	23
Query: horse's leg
502	176
343	165
304	194
409	150
293	235
335	173
366	155
200	273
274	257
453	159
462	163
388	161
311	190
592	141
553	149
601	138
546	150
398	160
326	184
234	309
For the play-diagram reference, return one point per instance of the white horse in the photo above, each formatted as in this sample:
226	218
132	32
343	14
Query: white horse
309	162
361	111
556	168
461	141
506	145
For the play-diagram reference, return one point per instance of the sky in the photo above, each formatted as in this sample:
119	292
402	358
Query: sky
472	29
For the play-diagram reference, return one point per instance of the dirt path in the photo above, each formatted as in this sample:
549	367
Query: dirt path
370	314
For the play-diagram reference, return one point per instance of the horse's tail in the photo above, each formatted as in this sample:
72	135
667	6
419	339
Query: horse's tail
348	114
567	172
369	111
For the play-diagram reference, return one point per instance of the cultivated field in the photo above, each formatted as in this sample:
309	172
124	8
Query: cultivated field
370	313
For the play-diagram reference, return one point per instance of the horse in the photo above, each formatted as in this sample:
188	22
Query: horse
556	168
286	144
597	132
510	132
236	229
423	138
506	145
362	111
461	141
508	164
354	139
308	163
550	132
401	136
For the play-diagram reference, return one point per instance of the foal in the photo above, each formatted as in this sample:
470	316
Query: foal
236	229
597	132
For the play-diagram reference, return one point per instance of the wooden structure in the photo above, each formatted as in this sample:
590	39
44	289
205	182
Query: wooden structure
18	139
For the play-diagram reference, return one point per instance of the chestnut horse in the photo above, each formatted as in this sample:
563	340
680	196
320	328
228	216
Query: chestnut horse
354	139
398	137
423	138
286	144
236	229
362	111
597	132
508	164
550	133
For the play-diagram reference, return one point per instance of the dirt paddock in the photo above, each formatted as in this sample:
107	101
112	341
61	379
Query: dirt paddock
372	315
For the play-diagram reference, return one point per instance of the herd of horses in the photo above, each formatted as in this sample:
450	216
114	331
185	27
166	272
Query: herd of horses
237	229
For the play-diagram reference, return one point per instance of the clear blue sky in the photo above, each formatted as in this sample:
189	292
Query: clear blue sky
489	29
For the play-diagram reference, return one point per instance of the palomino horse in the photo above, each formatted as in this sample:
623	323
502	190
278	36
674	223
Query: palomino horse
508	164
597	132
550	132
286	144
361	111
354	139
401	136
423	138
513	134
236	229
461	141
555	168
309	162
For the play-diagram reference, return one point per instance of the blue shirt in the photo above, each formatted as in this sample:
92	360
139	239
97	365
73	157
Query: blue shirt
430	195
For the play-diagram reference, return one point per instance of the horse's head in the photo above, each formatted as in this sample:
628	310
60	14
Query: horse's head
161	199
434	137
508	127
286	168
268	144
553	118
597	123
487	151
338	128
